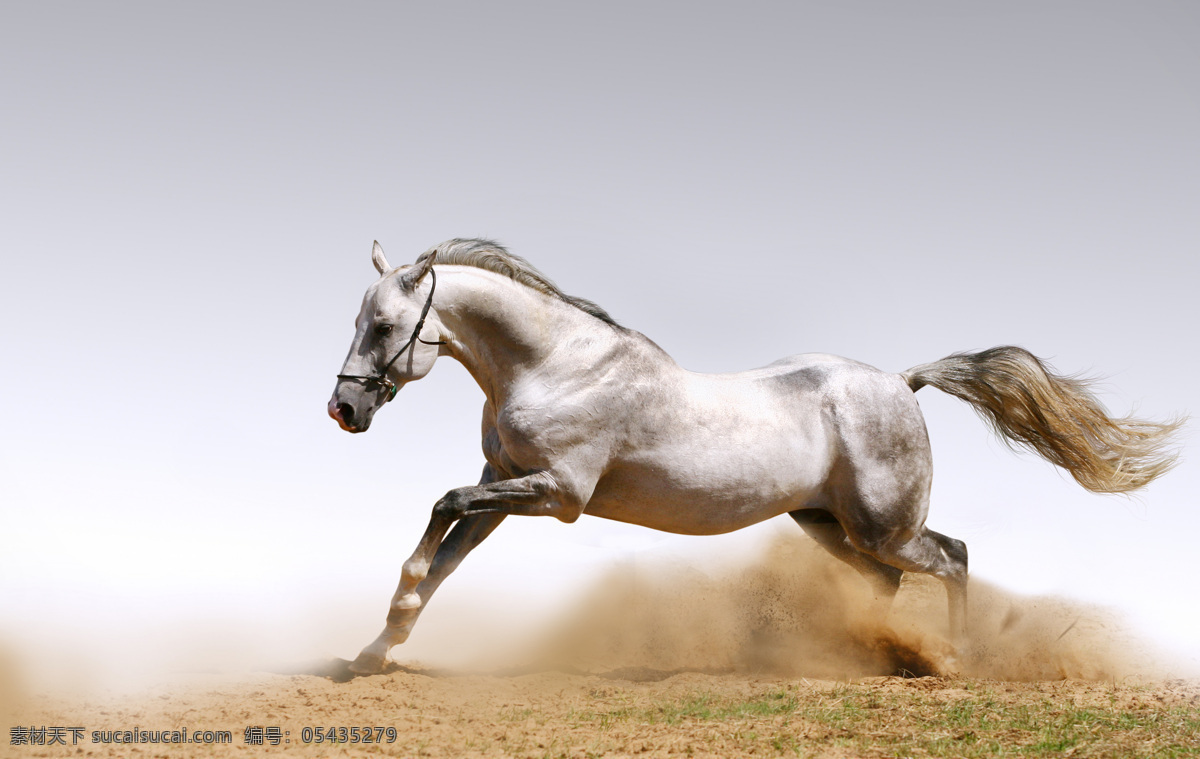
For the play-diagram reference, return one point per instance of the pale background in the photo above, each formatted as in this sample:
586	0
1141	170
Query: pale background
189	198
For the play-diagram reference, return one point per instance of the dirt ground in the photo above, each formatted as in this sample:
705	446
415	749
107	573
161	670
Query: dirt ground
637	713
786	658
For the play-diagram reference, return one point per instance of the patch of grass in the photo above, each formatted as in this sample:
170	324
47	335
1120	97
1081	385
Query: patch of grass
514	714
708	707
912	722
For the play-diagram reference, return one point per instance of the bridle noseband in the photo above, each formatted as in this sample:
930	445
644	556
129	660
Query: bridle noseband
381	379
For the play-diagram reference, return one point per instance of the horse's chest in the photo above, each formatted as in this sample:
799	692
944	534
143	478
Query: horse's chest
535	431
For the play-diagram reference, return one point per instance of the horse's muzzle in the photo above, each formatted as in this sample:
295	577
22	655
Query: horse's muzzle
343	414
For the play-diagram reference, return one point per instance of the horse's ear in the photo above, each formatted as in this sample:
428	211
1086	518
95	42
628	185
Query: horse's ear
380	261
411	278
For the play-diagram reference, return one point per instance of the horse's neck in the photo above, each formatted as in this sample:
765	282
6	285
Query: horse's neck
500	330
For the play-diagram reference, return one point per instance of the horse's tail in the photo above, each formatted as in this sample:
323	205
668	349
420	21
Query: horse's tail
1025	402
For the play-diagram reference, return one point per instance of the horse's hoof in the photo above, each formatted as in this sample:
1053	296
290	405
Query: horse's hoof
367	664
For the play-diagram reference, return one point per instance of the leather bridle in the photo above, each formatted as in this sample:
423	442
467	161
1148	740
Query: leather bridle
381	378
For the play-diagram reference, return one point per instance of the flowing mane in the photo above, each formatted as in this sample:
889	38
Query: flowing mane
491	256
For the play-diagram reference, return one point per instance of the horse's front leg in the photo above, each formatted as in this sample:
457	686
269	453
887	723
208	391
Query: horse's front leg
531	495
480	508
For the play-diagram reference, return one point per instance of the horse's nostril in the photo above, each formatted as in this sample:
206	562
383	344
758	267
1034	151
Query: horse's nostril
346	412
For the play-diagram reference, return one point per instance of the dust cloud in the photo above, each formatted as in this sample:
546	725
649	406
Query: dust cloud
799	612
789	610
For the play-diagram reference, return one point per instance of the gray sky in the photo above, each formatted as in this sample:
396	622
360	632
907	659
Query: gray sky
190	196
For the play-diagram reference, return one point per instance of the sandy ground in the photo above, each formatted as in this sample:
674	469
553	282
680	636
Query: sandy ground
560	714
784	658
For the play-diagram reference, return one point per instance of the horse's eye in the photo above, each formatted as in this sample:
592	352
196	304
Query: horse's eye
383	330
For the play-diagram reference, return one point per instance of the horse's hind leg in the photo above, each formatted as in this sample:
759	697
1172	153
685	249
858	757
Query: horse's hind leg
928	552
828	532
879	491
943	557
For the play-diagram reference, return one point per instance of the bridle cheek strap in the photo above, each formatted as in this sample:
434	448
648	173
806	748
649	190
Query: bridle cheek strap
381	378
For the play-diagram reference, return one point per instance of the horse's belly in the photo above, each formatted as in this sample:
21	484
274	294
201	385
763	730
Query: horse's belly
682	518
700	495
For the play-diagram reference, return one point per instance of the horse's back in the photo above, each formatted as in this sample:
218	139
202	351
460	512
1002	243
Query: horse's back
841	389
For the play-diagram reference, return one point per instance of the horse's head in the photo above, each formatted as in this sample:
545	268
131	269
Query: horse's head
388	349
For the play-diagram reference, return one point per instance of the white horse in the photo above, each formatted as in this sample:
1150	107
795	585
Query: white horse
586	416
